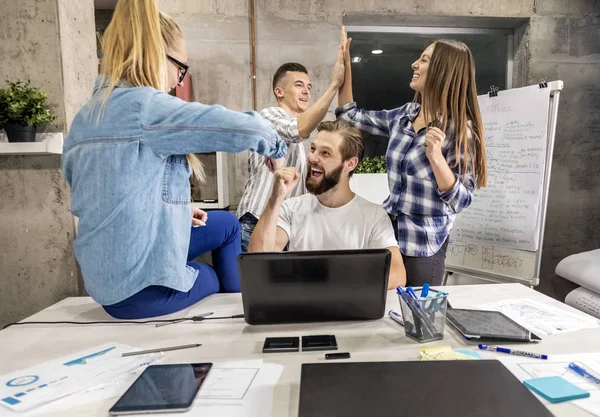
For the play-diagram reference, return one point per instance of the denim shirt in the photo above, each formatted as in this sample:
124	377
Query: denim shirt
130	182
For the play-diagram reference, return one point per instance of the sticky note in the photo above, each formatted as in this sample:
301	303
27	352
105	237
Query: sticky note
444	353
555	389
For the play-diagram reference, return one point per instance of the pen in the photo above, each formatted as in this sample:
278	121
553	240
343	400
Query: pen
410	291
512	352
584	373
143	352
396	317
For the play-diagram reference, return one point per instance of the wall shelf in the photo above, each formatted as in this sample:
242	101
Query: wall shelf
45	144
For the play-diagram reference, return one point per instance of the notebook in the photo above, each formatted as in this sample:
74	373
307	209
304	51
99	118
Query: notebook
416	389
555	389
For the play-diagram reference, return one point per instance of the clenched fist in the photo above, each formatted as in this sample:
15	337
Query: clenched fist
285	181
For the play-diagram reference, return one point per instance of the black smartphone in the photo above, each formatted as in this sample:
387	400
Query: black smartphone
281	344
320	342
340	355
163	389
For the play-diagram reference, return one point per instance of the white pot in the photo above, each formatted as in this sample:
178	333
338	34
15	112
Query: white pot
372	187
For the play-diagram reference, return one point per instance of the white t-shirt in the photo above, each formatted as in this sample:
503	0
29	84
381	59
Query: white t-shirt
358	224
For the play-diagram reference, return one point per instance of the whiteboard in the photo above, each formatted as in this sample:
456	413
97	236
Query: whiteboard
491	260
506	212
500	234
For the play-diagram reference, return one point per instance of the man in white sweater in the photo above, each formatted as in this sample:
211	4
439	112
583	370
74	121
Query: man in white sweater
331	216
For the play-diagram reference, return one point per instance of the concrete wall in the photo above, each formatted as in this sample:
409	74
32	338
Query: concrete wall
49	42
561	41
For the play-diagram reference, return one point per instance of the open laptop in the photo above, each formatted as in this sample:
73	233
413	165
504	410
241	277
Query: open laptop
299	287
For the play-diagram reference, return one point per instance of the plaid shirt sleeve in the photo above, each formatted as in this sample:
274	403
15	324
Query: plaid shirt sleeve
375	122
460	196
285	126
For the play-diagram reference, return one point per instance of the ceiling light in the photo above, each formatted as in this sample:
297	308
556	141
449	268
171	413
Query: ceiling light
377	51
356	59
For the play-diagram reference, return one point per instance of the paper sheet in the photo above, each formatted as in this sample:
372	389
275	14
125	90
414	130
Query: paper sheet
59	378
539	318
557	365
255	402
228	383
584	300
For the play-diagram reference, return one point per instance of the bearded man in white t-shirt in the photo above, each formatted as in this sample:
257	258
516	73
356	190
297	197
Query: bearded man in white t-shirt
331	216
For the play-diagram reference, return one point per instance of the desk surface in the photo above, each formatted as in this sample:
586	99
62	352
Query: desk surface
228	340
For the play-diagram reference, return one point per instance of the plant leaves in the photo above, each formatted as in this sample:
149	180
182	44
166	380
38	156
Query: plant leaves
375	165
23	104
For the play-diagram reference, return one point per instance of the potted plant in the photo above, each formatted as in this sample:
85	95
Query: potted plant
370	180
22	109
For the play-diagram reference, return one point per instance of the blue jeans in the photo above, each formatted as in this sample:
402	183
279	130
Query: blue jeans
221	235
247	224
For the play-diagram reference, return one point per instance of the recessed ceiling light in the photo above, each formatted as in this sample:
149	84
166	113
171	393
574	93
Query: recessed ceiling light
377	51
356	59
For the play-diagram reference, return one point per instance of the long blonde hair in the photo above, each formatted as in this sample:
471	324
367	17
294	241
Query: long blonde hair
451	94
134	49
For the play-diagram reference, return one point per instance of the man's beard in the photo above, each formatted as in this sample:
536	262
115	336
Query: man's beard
328	181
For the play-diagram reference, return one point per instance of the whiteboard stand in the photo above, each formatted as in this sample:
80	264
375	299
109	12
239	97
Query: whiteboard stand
459	250
555	89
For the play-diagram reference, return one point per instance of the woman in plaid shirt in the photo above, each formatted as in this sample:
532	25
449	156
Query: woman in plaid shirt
429	183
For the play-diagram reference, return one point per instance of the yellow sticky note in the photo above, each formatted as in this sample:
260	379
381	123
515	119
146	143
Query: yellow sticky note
441	353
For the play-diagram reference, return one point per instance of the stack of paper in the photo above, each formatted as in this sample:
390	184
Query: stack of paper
56	384
558	365
541	319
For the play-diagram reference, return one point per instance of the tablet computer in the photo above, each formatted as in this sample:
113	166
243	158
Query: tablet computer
482	324
163	389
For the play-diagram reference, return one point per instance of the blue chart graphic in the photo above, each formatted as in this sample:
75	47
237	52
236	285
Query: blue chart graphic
81	361
31	379
22	381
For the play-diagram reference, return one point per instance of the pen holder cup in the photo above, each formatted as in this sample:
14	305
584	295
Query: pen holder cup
424	318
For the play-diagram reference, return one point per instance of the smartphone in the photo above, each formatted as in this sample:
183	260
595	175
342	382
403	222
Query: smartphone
341	355
281	344
163	389
319	342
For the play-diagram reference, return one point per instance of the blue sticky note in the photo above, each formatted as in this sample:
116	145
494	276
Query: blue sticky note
555	389
469	352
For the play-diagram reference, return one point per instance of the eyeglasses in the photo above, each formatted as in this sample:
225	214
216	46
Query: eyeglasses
183	68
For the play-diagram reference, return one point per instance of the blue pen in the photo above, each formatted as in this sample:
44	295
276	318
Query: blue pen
584	373
396	317
411	292
512	352
424	290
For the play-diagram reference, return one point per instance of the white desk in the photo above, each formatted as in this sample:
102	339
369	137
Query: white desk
226	340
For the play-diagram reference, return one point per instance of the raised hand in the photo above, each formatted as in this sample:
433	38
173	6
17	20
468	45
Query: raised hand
345	44
434	141
274	164
339	69
285	181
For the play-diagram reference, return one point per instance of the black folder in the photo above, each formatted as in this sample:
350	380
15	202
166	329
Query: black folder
467	388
